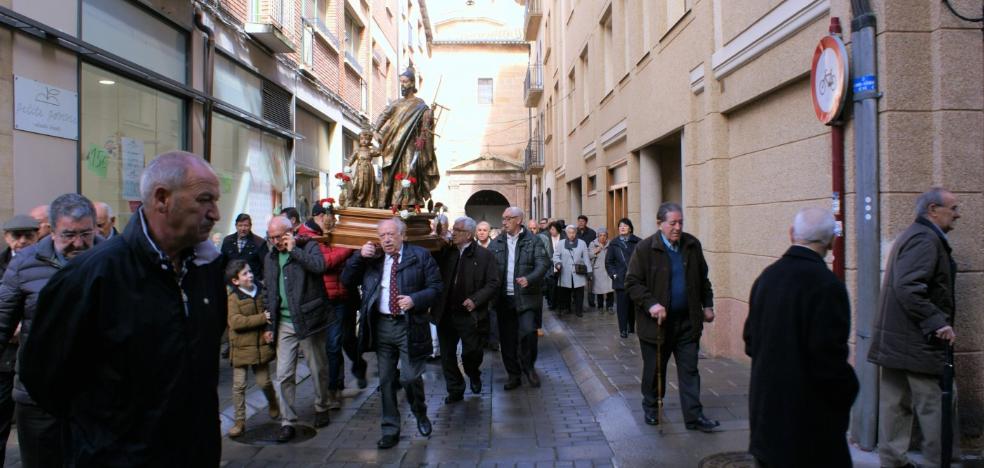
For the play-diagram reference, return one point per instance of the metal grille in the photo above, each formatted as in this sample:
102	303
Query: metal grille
277	105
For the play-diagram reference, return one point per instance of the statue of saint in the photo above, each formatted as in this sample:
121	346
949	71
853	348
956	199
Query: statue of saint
405	133
365	185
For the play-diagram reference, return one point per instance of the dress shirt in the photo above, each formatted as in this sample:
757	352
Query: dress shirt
384	290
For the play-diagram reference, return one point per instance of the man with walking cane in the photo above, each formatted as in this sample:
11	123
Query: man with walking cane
914	334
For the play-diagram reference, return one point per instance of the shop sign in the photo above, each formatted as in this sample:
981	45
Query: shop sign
45	109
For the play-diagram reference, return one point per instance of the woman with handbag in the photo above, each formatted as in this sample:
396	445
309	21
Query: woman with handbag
572	264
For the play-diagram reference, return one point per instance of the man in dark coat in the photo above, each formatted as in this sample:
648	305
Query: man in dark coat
125	339
400	282
245	245
913	328
522	261
299	319
471	278
667	280
802	386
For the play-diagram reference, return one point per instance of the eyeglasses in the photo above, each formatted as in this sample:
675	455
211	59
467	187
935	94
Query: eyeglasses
72	235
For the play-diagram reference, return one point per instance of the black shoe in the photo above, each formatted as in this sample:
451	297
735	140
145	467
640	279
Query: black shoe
388	441
534	378
321	419
703	424
476	385
493	346
362	382
453	398
651	419
623	334
512	383
579	313
286	434
424	425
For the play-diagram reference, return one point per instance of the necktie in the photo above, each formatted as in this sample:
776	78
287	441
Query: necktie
393	289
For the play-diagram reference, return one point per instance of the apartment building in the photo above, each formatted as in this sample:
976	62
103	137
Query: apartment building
708	102
272	92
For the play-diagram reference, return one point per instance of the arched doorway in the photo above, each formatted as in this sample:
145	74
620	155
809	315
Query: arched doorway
486	205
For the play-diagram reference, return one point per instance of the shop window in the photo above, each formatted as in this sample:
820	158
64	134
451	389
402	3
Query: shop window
485	90
238	86
131	32
124	126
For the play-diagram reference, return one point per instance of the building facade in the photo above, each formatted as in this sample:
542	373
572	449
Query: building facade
272	92
708	102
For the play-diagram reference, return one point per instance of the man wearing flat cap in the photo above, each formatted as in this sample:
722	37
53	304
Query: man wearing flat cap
19	233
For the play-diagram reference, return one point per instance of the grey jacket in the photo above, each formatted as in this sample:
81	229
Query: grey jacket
27	273
566	258
917	298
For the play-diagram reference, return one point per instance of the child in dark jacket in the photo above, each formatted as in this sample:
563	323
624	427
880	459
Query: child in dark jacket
249	342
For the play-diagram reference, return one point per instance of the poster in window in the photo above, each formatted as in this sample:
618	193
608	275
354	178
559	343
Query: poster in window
133	166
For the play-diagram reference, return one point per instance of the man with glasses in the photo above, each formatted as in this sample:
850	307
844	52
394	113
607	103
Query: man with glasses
913	329
299	318
39	433
522	262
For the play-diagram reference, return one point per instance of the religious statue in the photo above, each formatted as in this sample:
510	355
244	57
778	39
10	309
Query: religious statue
365	176
405	133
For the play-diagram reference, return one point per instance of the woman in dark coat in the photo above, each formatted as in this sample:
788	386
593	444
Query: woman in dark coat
620	250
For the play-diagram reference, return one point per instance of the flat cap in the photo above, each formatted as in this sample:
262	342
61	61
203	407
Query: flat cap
21	223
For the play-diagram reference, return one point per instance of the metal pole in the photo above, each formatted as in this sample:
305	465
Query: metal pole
864	417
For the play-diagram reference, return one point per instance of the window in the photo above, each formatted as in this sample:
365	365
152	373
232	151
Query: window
548	131
132	33
307	47
570	101
485	90
124	126
592	184
608	50
353	38
585	79
675	9
238	86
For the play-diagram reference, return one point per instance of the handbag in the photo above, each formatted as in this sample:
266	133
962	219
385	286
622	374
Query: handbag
580	269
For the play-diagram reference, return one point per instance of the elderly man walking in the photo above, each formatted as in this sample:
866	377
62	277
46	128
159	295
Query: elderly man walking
471	278
400	282
299	319
798	325
124	342
523	263
913	328
39	433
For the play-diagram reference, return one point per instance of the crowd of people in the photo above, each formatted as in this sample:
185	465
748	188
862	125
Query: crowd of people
124	327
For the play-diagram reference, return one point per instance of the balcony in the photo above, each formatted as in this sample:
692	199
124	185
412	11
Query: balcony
533	86
268	26
533	162
531	24
324	31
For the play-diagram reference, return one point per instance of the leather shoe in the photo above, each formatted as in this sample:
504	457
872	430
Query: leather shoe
424	425
512	383
388	441
534	378
453	398
321	418
651	419
476	385
623	334
703	424
286	434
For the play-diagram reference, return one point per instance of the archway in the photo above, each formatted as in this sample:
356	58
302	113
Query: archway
486	205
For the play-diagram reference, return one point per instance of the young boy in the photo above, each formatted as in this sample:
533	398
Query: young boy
249	342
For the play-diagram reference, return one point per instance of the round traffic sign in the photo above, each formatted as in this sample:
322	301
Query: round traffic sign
828	78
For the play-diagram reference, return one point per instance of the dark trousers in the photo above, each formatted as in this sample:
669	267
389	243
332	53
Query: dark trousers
395	362
460	325
688	379
493	326
591	297
333	348
6	410
517	337
550	290
626	311
350	342
564	299
604	300
40	436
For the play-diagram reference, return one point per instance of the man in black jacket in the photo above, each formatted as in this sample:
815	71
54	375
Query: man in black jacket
802	386
245	245
400	282
124	343
38	432
471	278
299	318
523	262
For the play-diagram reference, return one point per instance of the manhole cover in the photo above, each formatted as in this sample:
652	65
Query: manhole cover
728	460
266	434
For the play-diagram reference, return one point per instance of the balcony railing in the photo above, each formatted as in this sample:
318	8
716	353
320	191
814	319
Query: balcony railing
533	86
533	161
534	13
268	25
324	31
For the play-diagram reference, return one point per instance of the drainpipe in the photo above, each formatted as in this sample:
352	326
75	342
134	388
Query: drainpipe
201	23
837	175
864	417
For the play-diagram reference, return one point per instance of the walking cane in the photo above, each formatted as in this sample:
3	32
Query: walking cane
659	378
946	384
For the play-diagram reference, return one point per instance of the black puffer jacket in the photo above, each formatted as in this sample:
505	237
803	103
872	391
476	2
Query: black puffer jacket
27	273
